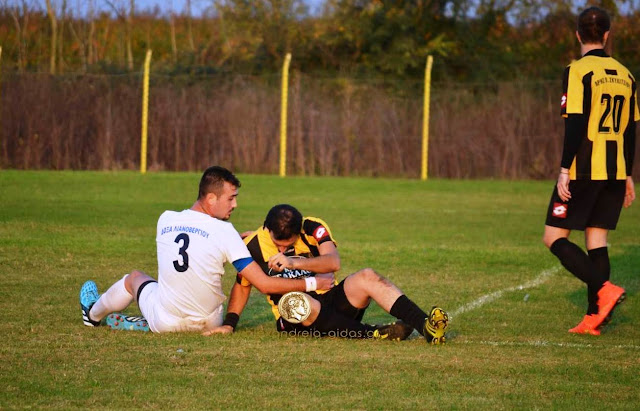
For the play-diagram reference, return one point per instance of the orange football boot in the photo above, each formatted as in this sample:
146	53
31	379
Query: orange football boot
609	296
588	325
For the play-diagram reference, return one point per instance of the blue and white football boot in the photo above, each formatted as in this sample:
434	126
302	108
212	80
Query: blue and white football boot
119	321
88	296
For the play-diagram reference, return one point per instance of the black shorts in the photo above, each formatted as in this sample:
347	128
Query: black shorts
592	204
336	299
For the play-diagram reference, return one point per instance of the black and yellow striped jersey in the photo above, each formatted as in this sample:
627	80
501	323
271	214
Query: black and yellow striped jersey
314	232
601	93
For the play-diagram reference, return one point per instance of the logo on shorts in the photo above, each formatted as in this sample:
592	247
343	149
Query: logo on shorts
559	210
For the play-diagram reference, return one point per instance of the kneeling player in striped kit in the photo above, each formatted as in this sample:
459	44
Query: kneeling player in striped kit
290	246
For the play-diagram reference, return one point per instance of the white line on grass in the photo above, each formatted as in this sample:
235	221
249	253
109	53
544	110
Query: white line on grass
487	298
540	279
545	344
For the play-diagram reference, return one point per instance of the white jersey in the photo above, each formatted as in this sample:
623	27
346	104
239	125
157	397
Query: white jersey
192	249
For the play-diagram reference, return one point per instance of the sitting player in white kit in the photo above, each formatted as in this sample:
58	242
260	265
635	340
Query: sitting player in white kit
192	247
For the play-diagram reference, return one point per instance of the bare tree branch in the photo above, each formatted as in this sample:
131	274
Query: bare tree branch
15	16
127	17
54	36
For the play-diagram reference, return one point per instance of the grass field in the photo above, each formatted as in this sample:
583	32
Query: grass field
472	247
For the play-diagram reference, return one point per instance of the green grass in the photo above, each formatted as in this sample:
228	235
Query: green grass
444	242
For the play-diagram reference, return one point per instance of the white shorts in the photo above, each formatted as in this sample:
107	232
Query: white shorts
161	321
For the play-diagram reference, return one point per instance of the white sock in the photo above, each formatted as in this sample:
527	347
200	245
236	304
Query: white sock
116	298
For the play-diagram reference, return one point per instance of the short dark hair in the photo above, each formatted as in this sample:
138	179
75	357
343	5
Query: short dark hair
284	221
592	24
213	180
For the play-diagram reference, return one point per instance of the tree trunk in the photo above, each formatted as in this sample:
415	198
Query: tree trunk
54	36
174	45
63	17
19	36
192	47
92	29
129	34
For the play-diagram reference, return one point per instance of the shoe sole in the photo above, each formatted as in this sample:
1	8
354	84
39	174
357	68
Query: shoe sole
436	328
586	332
85	318
397	331
128	323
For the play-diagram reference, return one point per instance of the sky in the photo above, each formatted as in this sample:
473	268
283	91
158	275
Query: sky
197	6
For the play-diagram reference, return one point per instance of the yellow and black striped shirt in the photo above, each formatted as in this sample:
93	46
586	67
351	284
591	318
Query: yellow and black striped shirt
314	232
600	105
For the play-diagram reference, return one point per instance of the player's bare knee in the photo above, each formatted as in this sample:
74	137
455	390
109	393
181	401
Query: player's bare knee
373	276
367	274
134	279
549	238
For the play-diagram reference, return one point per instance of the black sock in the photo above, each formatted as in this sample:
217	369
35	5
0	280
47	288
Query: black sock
332	323
600	258
578	263
407	311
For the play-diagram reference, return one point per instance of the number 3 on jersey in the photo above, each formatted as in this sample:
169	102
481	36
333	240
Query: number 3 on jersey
181	268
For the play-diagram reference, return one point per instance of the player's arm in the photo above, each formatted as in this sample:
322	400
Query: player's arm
246	234
252	273
275	285
238	299
575	127
629	154
327	262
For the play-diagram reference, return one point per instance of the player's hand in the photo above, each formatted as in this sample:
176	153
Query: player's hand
325	281
245	234
280	261
630	193
563	187
222	329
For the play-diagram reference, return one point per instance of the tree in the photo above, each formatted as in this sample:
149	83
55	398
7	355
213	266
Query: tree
192	46
172	29
389	36
127	17
259	32
20	16
83	31
60	40
51	12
